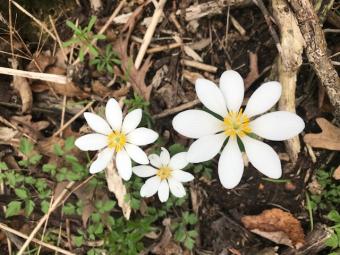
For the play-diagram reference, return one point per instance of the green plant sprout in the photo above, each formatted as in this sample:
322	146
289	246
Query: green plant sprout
83	38
107	60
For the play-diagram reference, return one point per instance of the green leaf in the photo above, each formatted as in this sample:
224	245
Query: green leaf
45	205
69	209
58	150
334	216
107	206
69	143
13	208
35	159
3	166
91	23
21	193
71	25
29	207
78	240
332	241
49	168
25	146
189	243
176	148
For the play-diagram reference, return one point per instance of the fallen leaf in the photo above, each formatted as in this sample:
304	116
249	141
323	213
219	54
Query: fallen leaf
128	70
336	174
328	139
117	187
276	225
41	61
6	134
254	70
21	85
99	89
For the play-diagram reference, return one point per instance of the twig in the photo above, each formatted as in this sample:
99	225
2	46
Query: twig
288	64
199	65
163	48
34	19
272	31
63	114
34	75
73	119
44	218
316	50
149	33
177	109
58	38
50	246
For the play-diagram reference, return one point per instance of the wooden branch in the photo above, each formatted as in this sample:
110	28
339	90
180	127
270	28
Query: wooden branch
35	75
288	64
316	50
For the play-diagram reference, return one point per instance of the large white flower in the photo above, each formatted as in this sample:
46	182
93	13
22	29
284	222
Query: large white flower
234	123
116	137
166	175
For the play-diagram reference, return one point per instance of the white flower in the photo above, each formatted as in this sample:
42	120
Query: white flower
166	174
237	124
116	137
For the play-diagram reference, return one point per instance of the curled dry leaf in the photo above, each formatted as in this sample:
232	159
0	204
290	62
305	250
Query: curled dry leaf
116	186
276	225
21	85
328	139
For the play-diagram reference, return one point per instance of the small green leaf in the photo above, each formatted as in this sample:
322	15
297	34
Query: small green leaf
13	208
334	216
332	241
69	143
25	146
78	240
58	150
29	207
49	168
3	166
45	205
107	206
21	193
35	159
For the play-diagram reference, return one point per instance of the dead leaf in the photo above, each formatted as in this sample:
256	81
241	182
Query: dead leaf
116	186
276	225
336	174
24	89
328	139
41	61
254	71
6	134
99	89
128	70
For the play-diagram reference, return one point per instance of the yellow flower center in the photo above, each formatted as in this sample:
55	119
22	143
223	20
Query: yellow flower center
164	172
236	124
116	140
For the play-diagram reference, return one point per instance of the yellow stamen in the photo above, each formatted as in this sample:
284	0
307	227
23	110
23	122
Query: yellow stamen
164	172
236	124
116	140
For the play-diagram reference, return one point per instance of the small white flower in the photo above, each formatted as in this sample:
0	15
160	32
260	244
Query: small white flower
237	124
116	137
166	174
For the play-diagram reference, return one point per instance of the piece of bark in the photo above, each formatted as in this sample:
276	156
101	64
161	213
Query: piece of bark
314	242
328	139
288	64
316	50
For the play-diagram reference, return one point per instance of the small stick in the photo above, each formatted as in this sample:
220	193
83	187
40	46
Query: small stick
73	119
237	26
198	65
50	246
34	18
163	48
176	23
63	114
177	109
149	33
34	75
44	218
58	38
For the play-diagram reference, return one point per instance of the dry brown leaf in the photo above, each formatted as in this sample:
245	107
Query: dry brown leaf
328	139
336	174
254	71
99	89
117	187
41	61
128	70
6	134
276	225
24	89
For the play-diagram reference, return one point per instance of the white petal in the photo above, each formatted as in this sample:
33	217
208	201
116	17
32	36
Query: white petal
196	123
262	157
103	159
144	171
136	154
205	148
277	126
142	136
176	187
97	123
131	121
114	114
91	142
179	161
164	157
150	187
163	191
124	165
211	97
232	87
155	160
230	165
264	98
182	176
